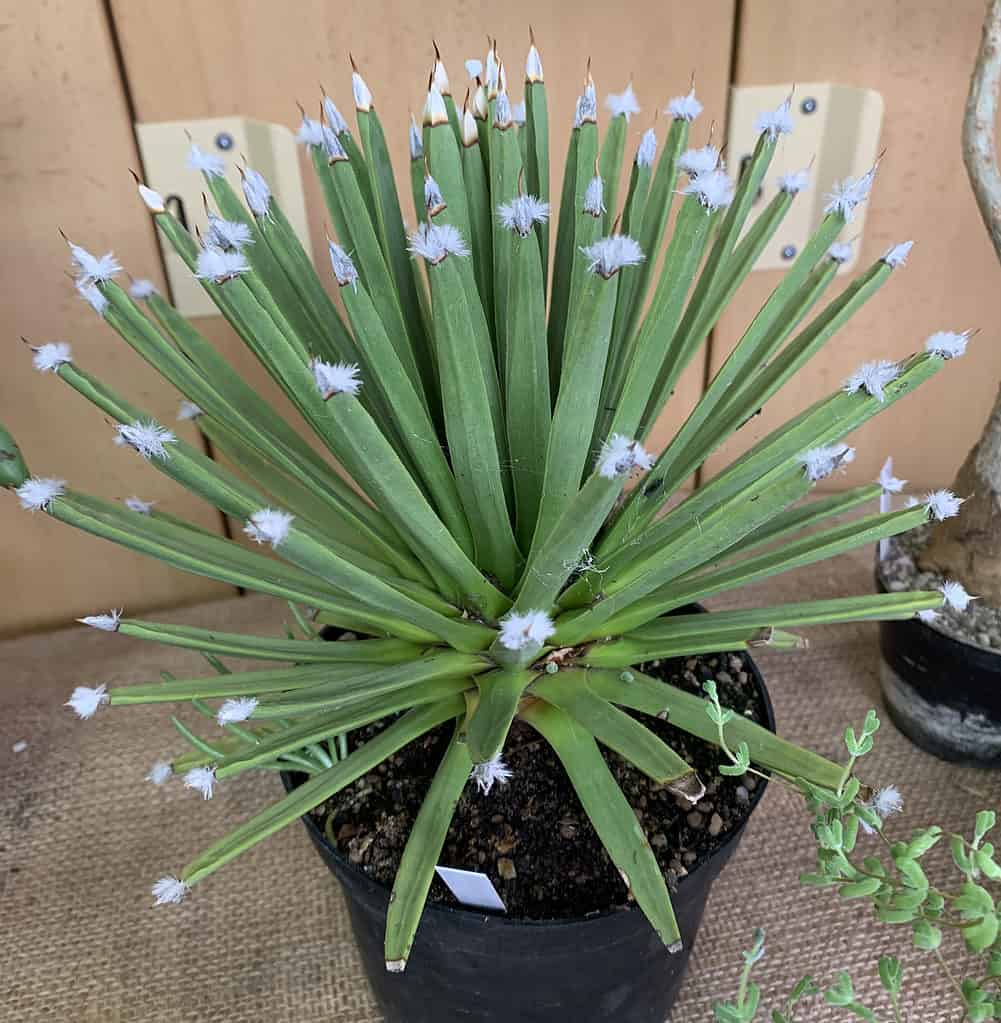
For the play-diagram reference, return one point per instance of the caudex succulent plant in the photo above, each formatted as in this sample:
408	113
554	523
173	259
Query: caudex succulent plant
491	404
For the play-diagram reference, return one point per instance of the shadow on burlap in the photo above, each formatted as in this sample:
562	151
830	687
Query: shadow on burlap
267	938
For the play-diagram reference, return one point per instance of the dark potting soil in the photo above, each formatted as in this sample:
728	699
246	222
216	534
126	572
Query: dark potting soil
531	835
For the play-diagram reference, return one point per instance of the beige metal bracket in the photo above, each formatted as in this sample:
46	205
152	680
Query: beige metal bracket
269	149
837	129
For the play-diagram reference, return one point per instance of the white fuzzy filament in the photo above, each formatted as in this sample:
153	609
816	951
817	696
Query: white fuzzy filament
522	213
148	438
49	357
684	108
524	630
85	700
608	255
269	526
37	493
335	378
819	463
872	377
622	455
106	623
491	772
201	779
238	709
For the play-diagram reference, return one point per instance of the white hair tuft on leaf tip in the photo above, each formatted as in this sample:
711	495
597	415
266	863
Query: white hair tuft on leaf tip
491	772
338	125
150	439
519	631
93	269
228	235
433	242
889	483
609	255
139	506
897	255
594	197
774	123
942	504
208	163
92	295
794	182
219	266
202	780
646	154
522	213
713	189
955	595
104	623
840	252
336	378
846	196
345	271
415	140
700	160
819	463
235	710
946	344
872	377
621	456
623	104
85	700
533	66
518	112
141	288
257	192
361	93
155	202
474	68
269	526
169	890
160	773
49	357
37	493
187	411
684	108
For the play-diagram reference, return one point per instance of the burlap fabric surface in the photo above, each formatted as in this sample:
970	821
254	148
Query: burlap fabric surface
82	836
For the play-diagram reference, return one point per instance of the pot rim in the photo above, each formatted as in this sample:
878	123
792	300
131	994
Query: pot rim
502	919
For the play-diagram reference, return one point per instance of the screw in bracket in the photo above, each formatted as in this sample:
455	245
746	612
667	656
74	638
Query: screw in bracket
809	105
788	251
223	141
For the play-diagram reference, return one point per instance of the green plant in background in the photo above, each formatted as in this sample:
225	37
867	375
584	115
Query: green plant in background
893	880
490	406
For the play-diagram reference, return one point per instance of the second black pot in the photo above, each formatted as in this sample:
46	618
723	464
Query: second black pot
468	965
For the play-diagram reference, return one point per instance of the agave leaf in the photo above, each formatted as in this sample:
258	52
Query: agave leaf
587	228
287	273
490	721
318	789
391	233
559	300
473	444
613	818
339	717
569	447
569	690
638	357
716	286
795	294
610	157
806	551
801	517
235	683
667	637
301	651
424	845
825	422
527	377
477	188
536	132
374	683
693	546
688	712
623	653
661	199
386	373
505	173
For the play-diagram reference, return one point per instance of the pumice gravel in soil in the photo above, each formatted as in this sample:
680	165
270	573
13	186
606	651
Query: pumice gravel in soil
530	836
979	624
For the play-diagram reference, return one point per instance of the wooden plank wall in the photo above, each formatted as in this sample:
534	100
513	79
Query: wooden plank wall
68	144
919	56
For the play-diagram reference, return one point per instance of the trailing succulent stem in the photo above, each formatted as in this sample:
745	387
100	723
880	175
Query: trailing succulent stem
452	486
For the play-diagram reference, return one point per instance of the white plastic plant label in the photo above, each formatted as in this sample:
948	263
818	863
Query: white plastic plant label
471	888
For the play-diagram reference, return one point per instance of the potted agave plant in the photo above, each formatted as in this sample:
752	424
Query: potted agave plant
510	627
941	674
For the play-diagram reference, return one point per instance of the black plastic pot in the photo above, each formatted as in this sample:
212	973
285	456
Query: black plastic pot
944	695
469	965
